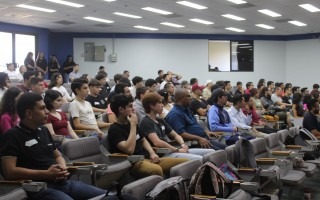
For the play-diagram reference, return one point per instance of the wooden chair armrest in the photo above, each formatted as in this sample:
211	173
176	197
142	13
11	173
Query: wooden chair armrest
267	159
80	132
198	196
246	170
15	182
118	155
293	147
265	162
82	163
281	153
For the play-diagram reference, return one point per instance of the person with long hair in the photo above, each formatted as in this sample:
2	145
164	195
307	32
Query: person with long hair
57	122
29	62
56	83
8	112
42	64
4	83
53	65
297	106
167	106
67	68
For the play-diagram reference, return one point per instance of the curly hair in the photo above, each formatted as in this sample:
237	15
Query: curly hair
8	103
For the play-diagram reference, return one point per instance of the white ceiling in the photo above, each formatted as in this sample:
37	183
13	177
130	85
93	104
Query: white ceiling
289	9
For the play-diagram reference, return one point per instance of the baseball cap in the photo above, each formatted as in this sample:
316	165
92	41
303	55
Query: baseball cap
197	87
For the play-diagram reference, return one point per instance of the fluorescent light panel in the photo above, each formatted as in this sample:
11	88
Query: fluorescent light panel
269	12
265	26
201	21
235	29
98	19
233	17
146	28
297	23
191	5
172	24
155	10
35	8
110	0
309	7
66	3
238	1
127	15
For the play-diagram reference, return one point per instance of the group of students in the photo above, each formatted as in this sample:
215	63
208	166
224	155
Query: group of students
165	118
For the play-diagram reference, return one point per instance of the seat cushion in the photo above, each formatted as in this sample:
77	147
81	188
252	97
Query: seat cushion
293	177
239	195
310	170
316	162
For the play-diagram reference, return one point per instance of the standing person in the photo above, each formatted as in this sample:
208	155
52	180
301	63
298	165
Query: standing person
57	122
159	79
11	71
29	62
28	152
8	112
67	68
53	65
42	64
75	73
56	83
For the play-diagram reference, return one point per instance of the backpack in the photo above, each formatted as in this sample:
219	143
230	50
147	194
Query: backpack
172	188
301	138
244	154
211	181
229	173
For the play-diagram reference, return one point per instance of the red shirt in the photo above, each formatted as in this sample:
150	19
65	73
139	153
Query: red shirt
60	127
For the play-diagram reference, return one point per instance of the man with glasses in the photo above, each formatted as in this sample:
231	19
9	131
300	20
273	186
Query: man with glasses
183	122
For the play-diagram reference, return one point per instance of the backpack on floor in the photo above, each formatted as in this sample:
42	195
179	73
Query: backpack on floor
244	154
171	188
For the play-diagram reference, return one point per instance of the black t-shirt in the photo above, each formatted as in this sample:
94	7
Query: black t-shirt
162	128
159	79
54	66
97	102
105	90
68	64
237	92
118	133
34	149
286	99
195	105
42	63
310	122
29	61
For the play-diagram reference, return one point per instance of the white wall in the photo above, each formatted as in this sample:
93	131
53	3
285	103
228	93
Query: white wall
303	62
189	58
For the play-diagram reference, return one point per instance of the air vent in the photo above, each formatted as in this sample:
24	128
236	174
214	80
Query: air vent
174	15
282	20
102	25
245	5
64	22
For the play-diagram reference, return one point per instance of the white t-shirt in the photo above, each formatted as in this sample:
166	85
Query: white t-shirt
12	75
275	98
64	92
163	84
82	110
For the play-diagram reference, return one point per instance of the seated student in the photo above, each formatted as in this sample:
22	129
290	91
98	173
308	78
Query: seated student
27	152
25	86
218	117
239	89
57	122
198	105
137	104
166	101
125	137
11	71
81	111
276	98
239	119
75	73
207	90
4	83
286	97
297	106
181	119
151	84
39	74
105	89
37	85
56	83
158	132
99	105
310	120
249	86
137	82
8	113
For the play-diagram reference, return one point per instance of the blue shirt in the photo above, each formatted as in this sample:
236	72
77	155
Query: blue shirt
219	119
182	120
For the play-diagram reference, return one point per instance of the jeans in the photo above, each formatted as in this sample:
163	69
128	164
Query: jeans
217	145
66	190
194	154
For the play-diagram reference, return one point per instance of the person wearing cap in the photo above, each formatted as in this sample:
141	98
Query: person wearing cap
183	122
198	106
207	90
218	117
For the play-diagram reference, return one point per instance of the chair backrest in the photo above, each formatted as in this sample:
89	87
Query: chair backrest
259	148
65	107
230	153
272	141
82	150
297	121
186	169
141	187
218	158
105	142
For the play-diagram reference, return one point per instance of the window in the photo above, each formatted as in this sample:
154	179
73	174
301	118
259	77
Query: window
18	52
231	55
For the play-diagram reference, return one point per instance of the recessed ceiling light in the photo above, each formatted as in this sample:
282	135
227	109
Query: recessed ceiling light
265	26
269	12
201	21
191	5
98	19
237	1
127	15
155	10
35	8
146	28
172	24
67	3
235	29
110	0
309	7
297	23
233	17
